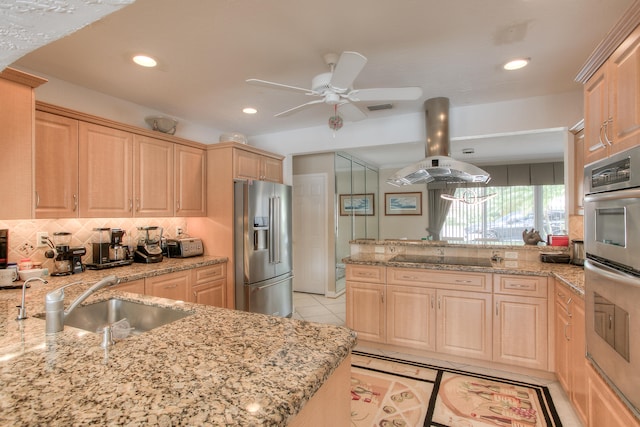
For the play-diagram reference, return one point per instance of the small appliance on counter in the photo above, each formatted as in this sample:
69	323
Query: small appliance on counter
108	250
577	252
184	247
4	248
67	259
555	257
149	248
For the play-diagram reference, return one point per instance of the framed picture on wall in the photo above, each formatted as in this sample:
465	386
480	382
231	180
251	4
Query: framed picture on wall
356	204
403	203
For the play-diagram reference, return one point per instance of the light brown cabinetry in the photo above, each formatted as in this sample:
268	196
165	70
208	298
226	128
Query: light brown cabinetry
106	168
250	165
16	142
605	409
366	302
173	285
152	177
135	286
520	326
56	166
411	317
570	360
612	103
208	285
190	181
577	168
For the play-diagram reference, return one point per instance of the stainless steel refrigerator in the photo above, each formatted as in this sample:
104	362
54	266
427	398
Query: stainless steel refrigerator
262	247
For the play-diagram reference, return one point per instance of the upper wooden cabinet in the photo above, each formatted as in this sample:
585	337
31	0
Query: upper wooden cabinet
56	166
152	177
16	142
251	165
190	181
106	171
612	103
576	154
84	168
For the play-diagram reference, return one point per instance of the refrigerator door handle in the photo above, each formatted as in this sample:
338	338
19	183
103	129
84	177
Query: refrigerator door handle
259	288
271	231
276	232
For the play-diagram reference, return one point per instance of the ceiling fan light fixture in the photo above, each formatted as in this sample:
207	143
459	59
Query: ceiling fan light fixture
516	64
249	110
145	61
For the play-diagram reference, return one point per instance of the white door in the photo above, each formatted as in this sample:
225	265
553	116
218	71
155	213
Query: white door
310	219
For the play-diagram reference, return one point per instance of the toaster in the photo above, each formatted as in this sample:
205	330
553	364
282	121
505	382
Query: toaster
184	247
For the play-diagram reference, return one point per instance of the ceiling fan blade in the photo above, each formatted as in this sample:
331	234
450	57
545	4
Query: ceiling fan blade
272	85
346	70
298	108
351	112
385	94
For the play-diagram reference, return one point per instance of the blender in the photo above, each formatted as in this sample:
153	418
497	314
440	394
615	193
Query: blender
149	247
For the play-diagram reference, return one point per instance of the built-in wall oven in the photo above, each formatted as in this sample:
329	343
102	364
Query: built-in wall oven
612	272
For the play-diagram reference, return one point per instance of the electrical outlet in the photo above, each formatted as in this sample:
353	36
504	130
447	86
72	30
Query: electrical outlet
41	239
179	231
511	255
379	249
26	249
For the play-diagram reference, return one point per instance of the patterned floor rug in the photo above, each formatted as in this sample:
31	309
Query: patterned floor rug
392	392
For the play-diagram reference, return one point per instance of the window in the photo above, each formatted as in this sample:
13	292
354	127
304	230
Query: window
503	218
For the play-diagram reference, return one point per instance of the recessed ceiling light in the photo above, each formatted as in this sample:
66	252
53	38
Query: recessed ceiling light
516	64
145	61
249	110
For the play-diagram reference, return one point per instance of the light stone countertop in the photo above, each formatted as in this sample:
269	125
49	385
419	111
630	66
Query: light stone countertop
571	275
214	367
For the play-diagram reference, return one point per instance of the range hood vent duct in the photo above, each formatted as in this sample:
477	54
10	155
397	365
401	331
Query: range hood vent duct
438	164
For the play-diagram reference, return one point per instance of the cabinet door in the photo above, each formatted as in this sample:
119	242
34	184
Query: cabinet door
562	343
464	324
411	317
106	168
605	409
136	286
190	181
596	117
246	165
152	177
624	93
173	286
56	166
213	293
271	169
577	360
365	310
520	331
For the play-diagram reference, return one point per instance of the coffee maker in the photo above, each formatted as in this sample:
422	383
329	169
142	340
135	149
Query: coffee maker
117	252
67	259
149	247
108	249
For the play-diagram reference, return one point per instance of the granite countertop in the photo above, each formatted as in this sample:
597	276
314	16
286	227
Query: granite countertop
214	367
571	275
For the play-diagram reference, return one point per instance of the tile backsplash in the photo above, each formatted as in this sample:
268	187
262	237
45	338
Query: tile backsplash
23	233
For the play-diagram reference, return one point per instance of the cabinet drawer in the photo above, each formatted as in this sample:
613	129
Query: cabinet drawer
520	285
365	273
207	274
173	286
456	280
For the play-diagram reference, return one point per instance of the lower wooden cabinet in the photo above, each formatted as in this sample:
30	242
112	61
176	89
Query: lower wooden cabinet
571	363
365	310
464	324
604	407
411	317
173	286
208	285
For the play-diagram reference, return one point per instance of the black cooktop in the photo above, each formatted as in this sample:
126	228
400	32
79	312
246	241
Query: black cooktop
435	259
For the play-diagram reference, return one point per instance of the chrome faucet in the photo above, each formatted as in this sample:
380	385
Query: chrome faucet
54	303
22	309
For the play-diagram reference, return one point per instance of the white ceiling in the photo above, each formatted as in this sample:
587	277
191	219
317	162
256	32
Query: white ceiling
207	49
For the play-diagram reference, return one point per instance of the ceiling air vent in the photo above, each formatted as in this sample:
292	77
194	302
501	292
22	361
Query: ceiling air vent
379	107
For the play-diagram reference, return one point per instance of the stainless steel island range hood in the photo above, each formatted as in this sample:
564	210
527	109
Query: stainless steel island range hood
438	164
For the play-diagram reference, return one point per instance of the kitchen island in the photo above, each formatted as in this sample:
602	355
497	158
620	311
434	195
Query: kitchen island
214	367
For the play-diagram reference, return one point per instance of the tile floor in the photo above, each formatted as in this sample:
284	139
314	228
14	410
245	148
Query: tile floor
317	308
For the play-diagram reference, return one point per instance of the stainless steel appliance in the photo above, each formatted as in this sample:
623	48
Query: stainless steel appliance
108	250
262	247
67	259
4	248
149	241
612	272
184	247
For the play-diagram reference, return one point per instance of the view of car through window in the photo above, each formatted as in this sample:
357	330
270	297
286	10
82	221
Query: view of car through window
502	219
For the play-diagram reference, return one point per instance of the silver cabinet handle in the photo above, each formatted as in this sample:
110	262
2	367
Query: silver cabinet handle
600	144
432	298
382	297
130	205
606	130
439	302
497	309
75	202
37	199
137	204
170	286
463	281
566	325
177	205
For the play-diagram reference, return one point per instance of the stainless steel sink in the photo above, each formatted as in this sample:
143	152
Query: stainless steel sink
94	317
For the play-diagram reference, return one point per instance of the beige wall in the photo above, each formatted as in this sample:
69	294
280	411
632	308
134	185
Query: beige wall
397	227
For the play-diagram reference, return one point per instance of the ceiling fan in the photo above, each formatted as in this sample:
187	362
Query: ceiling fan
335	87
